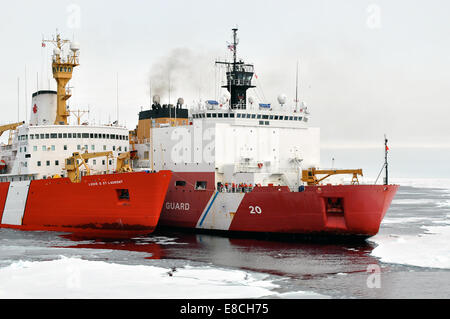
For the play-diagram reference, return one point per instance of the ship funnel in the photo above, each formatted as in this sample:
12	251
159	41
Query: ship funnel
180	102
43	108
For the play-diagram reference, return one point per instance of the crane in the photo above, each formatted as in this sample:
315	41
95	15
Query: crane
77	160
309	175
123	162
9	127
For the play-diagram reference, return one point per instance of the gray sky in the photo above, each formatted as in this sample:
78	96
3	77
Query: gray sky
366	67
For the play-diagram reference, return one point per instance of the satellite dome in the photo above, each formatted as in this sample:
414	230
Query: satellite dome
74	46
56	51
282	99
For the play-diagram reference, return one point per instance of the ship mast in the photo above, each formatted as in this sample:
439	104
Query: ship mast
62	72
239	77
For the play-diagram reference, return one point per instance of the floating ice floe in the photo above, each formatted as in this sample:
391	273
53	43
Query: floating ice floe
81	279
431	249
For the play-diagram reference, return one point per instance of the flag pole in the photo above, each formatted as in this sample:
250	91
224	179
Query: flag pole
385	160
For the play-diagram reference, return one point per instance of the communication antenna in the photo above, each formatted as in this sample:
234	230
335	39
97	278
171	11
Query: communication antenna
26	106
78	114
296	88
18	99
150	86
117	97
386	149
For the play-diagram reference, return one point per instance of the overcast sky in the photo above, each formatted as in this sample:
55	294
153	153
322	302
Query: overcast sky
366	67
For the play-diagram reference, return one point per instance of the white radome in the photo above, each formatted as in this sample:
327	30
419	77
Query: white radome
282	99
74	46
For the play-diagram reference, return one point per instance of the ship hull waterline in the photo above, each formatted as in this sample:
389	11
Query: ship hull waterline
277	210
117	205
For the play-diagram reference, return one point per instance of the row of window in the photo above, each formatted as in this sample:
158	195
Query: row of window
79	147
250	116
66	69
48	163
73	135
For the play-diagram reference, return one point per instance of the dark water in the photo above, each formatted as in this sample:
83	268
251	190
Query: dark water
336	270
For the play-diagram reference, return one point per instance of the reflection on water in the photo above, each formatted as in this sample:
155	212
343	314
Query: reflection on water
286	258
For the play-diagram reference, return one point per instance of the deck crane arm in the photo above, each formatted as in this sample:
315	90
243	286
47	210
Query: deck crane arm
73	164
7	127
123	162
309	175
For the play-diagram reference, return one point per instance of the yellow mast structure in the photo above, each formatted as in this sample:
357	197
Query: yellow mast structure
78	114
62	72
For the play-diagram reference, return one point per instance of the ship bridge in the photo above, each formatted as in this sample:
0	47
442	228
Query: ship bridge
250	117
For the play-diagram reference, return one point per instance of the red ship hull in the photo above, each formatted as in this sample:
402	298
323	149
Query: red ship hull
355	210
113	204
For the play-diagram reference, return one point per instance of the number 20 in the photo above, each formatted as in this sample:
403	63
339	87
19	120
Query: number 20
255	210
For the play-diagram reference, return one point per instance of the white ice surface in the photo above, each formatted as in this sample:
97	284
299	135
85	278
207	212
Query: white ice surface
431	249
79	279
422	182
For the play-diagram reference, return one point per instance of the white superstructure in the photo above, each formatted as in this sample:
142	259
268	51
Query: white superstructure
240	146
39	151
